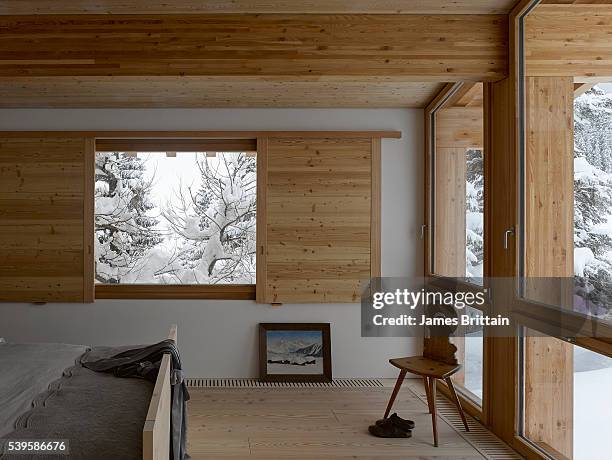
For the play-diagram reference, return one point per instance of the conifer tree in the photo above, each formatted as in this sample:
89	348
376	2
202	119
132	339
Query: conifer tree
124	231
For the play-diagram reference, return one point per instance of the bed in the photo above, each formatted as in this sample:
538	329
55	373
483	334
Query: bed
46	394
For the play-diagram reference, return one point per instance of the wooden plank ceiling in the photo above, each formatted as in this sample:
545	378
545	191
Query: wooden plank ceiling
255	6
244	60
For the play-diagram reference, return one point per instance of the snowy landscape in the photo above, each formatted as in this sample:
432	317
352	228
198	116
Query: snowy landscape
593	202
182	218
295	352
474	214
593	266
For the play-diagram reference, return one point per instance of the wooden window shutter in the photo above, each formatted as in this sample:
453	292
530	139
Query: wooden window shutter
319	218
46	218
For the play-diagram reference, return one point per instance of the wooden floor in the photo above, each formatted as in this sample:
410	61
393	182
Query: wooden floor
318	423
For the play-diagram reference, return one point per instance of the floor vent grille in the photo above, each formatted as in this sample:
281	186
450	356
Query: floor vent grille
489	445
255	383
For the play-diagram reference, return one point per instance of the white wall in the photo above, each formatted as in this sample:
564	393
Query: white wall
219	338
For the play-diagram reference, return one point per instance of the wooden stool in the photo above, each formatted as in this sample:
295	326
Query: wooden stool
431	366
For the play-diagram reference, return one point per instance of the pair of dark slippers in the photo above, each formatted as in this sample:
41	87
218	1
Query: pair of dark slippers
392	427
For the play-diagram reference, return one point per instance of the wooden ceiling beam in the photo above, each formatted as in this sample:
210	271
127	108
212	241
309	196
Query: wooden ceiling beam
469	95
194	92
382	47
581	88
255	6
569	40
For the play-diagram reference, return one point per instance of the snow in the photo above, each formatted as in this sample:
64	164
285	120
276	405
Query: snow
584	170
172	219
604	228
474	221
592	403
308	369
106	205
582	258
473	363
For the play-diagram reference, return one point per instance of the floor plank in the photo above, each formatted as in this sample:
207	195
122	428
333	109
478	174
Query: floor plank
324	423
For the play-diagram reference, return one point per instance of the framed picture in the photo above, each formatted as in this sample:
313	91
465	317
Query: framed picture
295	352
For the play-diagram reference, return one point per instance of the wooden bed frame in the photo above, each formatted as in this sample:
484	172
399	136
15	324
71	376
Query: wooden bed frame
156	431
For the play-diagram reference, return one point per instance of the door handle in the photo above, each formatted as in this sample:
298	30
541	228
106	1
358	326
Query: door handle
507	233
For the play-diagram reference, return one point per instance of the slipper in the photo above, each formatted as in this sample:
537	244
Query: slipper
399	422
388	430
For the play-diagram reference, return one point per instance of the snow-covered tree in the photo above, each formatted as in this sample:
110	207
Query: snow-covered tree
474	213
215	225
593	199
124	230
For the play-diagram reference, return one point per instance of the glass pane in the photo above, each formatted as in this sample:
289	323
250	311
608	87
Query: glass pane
458	195
474	228
548	394
566	399
568	201
593	201
175	218
470	347
592	403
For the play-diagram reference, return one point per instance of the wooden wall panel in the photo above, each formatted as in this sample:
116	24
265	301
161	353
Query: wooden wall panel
549	193
549	249
255	6
460	127
319	198
46	244
417	47
574	40
449	212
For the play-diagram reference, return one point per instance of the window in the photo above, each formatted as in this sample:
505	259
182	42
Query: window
564	243
175	218
458	186
567	237
457	214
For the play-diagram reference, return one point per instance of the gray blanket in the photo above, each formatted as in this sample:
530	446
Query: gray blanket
144	361
101	415
26	370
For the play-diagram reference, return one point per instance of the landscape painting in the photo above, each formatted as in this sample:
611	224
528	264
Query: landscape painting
295	352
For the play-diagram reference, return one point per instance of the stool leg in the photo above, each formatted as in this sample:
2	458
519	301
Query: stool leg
451	387
432	397
426	382
398	384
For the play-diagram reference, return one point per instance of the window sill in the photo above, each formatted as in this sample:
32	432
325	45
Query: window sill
165	291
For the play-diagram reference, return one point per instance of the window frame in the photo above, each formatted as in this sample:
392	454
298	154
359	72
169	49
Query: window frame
179	291
237	139
507	376
471	405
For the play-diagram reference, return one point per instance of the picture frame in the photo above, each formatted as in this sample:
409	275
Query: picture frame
295	352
